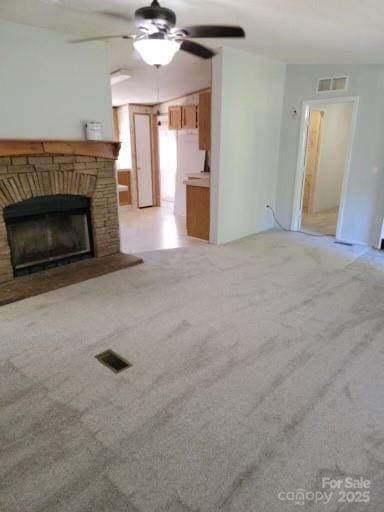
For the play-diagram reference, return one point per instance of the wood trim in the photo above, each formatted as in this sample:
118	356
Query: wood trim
20	147
141	105
102	149
152	105
199	91
205	116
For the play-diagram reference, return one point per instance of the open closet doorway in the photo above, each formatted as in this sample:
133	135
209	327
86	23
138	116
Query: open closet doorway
326	150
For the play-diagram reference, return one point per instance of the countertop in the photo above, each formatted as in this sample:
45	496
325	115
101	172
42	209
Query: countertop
198	179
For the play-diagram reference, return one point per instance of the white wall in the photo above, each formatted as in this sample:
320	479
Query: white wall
364	207
246	119
335	138
125	155
48	87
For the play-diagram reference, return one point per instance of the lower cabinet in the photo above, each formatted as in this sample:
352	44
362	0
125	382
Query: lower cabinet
124	178
198	211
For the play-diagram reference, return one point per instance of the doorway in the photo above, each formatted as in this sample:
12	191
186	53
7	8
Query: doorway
326	143
143	149
167	166
161	159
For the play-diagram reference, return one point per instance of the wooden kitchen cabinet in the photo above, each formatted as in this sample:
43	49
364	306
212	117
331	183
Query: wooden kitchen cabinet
175	118
205	121
198	211
189	120
124	178
182	117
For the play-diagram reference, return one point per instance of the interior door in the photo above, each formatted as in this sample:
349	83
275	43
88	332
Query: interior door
300	216
142	124
307	159
312	159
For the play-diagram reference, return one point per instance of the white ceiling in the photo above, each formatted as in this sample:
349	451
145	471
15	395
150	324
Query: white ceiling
296	31
184	75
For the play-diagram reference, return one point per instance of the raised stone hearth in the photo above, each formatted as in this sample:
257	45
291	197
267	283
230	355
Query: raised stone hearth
26	176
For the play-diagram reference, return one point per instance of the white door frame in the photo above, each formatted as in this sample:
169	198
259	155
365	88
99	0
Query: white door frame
302	158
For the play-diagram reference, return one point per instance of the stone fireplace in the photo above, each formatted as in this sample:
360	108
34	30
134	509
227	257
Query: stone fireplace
58	203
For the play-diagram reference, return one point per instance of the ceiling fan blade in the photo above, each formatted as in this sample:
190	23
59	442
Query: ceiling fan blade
197	49
100	38
117	16
212	31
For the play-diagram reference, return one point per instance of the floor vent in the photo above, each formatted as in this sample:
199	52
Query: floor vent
343	243
113	361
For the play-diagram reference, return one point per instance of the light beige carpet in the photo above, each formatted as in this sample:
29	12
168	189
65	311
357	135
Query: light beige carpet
257	368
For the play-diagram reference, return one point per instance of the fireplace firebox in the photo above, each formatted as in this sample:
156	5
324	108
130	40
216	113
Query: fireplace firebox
48	231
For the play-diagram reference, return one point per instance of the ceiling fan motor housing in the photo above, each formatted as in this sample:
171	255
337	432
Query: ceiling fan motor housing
155	15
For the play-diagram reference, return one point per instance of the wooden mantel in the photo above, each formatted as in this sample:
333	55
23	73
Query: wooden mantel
101	149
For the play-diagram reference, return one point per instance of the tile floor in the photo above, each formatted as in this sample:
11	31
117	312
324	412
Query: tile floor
322	222
151	229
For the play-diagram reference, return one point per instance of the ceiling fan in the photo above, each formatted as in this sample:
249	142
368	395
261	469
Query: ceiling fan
160	39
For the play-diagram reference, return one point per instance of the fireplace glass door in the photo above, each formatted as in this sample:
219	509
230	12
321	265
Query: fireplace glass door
46	232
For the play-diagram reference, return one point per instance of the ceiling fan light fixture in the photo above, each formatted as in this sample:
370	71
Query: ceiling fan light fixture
157	52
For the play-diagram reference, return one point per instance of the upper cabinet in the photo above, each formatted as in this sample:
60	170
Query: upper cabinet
182	117
205	121
189	117
175	117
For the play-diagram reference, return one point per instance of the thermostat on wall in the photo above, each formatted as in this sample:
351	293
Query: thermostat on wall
93	130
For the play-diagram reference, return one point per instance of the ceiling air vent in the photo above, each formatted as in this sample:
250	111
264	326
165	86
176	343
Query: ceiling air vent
337	83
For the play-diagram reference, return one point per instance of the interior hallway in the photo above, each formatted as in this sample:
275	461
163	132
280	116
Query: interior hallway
257	367
324	222
150	229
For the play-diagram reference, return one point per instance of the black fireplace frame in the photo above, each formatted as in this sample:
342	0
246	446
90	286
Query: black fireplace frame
39	207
